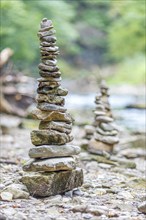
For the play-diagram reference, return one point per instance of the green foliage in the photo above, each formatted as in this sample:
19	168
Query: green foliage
20	22
127	32
130	71
111	29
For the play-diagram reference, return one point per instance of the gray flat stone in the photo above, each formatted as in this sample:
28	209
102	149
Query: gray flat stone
44	106
48	151
43	137
49	184
107	126
104	119
51	164
107	139
106	133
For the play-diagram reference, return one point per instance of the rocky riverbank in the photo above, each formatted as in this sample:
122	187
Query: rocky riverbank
114	186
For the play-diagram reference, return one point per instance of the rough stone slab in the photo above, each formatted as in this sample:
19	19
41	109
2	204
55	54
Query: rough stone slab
43	137
97	146
52	116
48	151
50	99
49	165
56	91
44	67
107	139
49	184
58	126
44	106
49	74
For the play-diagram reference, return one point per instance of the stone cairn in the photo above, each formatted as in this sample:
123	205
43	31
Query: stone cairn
53	169
106	132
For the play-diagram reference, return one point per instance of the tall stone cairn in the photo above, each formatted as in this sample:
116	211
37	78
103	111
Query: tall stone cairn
106	132
53	167
104	90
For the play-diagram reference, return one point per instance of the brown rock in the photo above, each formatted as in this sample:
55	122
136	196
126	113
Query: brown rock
48	184
49	151
97	146
48	165
50	99
58	126
43	137
44	106
52	116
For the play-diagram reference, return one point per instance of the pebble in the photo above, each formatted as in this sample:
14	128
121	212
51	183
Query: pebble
142	207
6	196
18	191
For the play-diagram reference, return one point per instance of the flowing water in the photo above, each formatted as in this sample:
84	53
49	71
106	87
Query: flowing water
131	118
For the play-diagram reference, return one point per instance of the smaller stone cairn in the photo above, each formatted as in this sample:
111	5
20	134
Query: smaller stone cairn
53	167
106	133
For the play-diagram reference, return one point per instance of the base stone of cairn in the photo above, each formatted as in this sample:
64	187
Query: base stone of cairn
106	133
53	167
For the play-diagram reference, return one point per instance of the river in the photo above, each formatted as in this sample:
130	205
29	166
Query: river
131	118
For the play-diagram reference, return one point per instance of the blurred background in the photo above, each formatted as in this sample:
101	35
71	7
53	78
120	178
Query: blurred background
97	40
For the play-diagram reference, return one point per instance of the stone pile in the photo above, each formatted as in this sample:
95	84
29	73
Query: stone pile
106	133
53	165
104	90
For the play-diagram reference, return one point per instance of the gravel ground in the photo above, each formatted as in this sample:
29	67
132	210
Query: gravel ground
109	191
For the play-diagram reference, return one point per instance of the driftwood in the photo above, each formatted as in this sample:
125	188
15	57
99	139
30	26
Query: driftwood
5	56
12	101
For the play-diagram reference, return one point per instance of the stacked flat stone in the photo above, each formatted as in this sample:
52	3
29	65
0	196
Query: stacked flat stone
106	133
104	89
53	167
